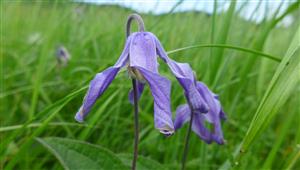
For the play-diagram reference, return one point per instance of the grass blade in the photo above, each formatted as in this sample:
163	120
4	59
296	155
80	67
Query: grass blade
256	53
292	161
278	92
281	136
221	39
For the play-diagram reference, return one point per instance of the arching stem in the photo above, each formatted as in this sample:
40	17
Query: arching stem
138	19
135	92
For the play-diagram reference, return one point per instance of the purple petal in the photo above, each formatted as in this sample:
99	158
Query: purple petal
143	51
140	89
142	54
186	78
215	111
218	134
100	83
212	102
223	115
160	88
212	117
183	115
214	105
200	129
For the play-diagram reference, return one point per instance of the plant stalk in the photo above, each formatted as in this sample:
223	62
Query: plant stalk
187	141
141	28
136	124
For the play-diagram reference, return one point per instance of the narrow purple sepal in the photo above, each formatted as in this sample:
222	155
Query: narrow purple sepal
78	117
100	83
186	78
183	115
160	88
200	129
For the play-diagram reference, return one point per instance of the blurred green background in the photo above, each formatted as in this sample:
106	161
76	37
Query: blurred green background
38	93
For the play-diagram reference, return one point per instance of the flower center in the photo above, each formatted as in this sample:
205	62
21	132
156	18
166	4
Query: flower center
135	74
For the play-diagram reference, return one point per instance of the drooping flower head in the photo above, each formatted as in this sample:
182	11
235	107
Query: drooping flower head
213	116
62	56
201	102
140	57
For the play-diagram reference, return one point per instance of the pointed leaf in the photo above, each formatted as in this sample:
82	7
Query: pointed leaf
143	163
74	154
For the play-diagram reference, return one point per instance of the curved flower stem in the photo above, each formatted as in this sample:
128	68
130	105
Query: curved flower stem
135	92
139	21
187	141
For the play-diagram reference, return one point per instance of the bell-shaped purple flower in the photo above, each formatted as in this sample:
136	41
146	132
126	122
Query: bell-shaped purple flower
140	56
213	117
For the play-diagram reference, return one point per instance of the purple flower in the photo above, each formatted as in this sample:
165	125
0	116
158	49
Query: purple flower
62	56
140	56
213	116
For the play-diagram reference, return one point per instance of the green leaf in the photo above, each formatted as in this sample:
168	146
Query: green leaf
45	117
279	90
143	163
36	125
247	50
74	154
281	136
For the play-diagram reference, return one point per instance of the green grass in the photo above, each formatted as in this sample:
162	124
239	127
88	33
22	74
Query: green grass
253	67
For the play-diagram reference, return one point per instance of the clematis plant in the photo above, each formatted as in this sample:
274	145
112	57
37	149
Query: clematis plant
140	56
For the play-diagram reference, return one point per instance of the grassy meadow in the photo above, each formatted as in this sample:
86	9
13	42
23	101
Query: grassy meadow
254	67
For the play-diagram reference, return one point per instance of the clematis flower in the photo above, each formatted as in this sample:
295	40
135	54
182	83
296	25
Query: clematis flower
62	56
140	56
213	116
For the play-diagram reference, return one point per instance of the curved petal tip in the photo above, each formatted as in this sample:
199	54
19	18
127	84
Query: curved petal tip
78	117
219	140
167	133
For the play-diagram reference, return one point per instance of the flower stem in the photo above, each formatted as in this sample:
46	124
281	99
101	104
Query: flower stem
187	141
140	22
136	124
